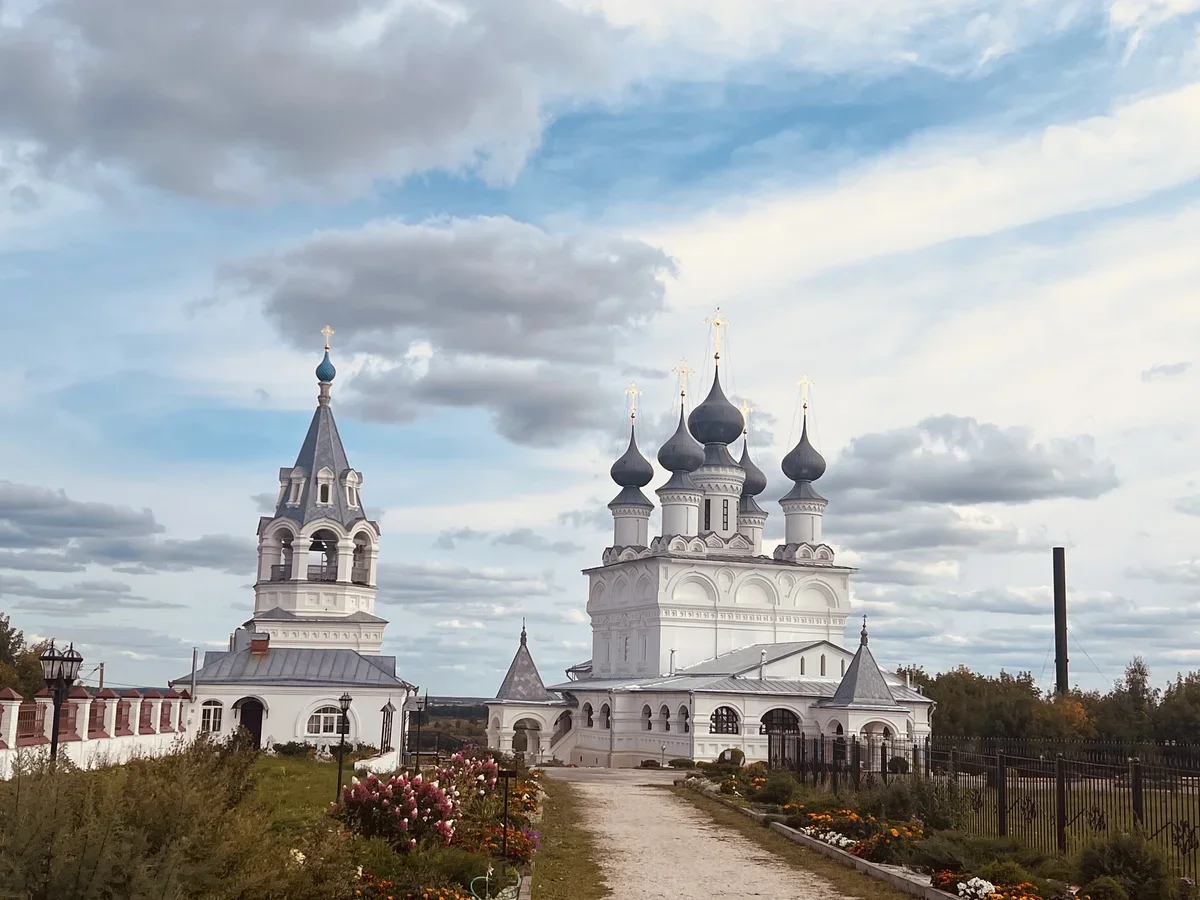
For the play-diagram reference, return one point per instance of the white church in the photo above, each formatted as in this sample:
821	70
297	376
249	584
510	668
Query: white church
700	641
313	634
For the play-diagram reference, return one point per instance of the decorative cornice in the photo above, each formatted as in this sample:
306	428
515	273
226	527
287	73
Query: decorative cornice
806	505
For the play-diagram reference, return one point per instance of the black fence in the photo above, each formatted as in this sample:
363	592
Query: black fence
432	742
1053	797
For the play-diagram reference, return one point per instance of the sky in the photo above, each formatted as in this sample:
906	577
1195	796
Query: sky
971	223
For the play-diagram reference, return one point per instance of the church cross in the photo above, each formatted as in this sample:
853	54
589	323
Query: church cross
805	389
718	322
746	409
633	392
328	332
682	372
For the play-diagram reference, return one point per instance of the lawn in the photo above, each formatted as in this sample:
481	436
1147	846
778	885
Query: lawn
296	789
847	882
566	868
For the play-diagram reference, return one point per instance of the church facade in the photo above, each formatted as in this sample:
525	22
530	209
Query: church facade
313	634
700	641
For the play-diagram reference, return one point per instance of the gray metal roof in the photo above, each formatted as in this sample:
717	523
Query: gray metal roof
322	448
279	614
747	659
863	684
523	683
297	666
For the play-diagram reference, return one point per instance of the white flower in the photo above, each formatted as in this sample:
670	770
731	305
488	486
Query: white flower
297	857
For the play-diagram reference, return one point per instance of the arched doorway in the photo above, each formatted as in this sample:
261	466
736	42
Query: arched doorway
250	716
527	739
782	728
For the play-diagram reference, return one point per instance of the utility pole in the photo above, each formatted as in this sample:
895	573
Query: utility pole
101	677
1060	621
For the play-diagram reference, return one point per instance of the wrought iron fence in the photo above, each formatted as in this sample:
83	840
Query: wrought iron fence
1051	797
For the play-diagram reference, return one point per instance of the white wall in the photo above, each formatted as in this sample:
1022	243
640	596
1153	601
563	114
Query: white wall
100	751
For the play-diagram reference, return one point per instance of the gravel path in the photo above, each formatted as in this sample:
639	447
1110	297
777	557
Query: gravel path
654	845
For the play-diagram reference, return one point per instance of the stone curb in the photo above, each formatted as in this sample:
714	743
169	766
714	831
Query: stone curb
849	860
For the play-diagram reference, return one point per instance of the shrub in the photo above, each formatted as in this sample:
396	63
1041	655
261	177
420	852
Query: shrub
649	764
962	853
409	813
1104	888
778	789
682	763
293	748
731	757
1004	872
938	805
891	844
729	786
1138	866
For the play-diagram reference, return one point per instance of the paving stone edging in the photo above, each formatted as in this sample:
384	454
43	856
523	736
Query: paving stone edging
849	860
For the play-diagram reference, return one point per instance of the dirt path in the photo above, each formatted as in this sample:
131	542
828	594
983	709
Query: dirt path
655	845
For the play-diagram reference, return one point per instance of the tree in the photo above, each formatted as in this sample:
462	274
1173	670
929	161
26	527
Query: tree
1126	713
1177	717
20	667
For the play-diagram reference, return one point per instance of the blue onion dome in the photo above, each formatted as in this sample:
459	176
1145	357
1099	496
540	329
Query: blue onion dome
756	481
325	370
681	453
803	462
632	469
716	420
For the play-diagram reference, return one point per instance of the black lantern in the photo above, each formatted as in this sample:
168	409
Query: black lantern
60	668
344	702
420	708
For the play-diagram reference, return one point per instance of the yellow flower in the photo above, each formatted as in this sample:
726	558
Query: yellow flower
895	833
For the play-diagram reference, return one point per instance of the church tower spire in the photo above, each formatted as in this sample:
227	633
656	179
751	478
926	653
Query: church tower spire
630	508
803	507
317	555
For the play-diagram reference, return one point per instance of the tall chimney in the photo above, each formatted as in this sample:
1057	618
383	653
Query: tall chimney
1060	621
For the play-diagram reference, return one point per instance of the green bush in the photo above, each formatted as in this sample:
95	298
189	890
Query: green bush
293	748
965	853
778	790
731	757
1139	866
898	765
650	764
682	763
1004	872
1103	888
939	806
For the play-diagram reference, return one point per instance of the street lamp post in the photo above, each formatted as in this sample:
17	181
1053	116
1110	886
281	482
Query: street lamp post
60	668
420	708
343	726
663	763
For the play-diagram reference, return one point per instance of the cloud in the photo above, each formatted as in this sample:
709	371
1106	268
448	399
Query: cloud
508	318
264	503
45	530
1164	371
455	587
1186	572
594	517
1189	505
246	101
958	460
518	537
83	598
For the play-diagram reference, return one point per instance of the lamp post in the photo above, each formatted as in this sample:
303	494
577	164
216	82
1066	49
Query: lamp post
420	708
60	668
344	702
663	762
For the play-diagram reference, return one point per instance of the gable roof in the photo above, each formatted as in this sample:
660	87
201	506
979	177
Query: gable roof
863	685
297	666
523	683
748	659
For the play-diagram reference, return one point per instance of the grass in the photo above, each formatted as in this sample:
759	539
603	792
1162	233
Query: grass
848	882
296	790
567	866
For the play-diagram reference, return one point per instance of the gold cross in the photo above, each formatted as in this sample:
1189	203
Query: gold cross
717	321
327	331
746	409
633	392
682	372
805	389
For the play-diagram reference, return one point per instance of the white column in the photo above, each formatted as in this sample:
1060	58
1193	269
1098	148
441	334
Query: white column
373	563
268	556
135	714
83	715
46	705
9	710
345	559
110	712
300	558
802	520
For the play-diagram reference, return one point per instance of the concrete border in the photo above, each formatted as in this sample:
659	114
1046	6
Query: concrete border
849	860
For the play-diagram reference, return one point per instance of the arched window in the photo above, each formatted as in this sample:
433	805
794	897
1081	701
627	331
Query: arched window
360	565
802	665
664	717
646	718
605	716
887	733
323	556
324	721
779	721
625	650
843	667
587	715
724	720
685	723
210	716
822	663
324	494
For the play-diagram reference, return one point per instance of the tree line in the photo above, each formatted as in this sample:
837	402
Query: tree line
1011	706
20	666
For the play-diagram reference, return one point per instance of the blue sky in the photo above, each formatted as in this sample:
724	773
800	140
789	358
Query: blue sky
972	222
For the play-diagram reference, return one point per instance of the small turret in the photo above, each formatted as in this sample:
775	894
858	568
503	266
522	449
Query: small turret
630	508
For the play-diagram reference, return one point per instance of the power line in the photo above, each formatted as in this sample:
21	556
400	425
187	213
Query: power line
1089	656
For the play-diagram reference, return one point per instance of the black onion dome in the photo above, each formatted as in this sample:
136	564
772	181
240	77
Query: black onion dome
803	462
632	469
716	420
681	453
756	481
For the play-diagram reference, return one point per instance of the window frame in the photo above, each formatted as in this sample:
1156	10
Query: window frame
212	714
725	720
325	713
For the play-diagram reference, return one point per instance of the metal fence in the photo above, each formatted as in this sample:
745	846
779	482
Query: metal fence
1053	797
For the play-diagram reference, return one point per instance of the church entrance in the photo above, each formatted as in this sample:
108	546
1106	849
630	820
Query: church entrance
527	739
250	717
